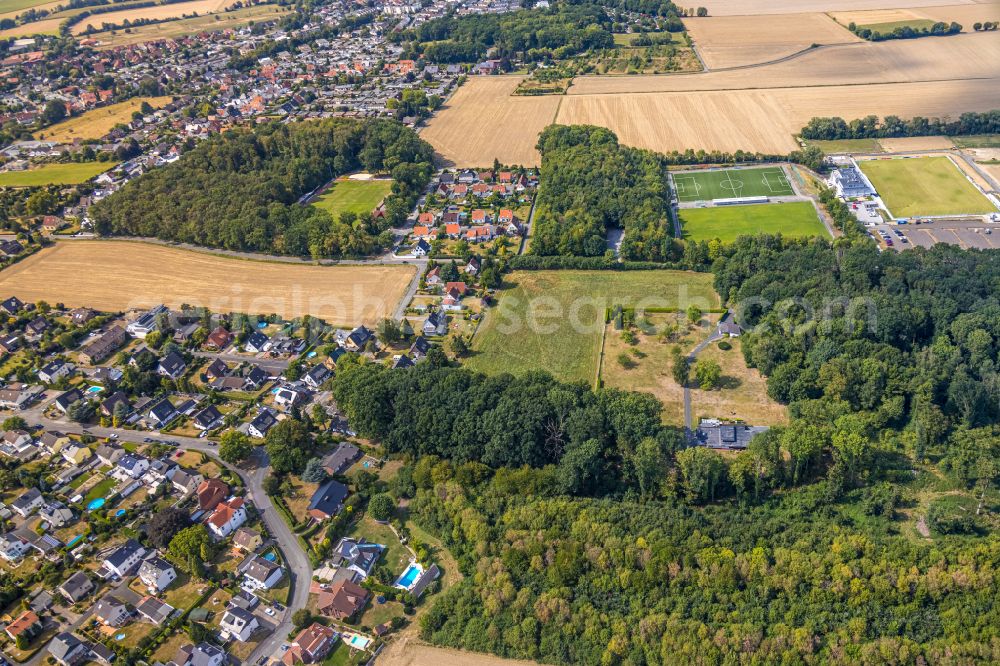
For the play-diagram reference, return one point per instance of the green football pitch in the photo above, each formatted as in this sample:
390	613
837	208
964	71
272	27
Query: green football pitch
730	183
792	220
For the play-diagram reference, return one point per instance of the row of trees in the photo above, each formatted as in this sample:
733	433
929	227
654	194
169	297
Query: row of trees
871	127
240	190
938	29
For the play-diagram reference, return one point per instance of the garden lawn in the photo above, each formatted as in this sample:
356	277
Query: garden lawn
553	320
925	186
71	173
353	196
727	223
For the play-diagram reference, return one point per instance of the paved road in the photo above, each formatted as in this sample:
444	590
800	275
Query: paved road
253	475
272	365
691	357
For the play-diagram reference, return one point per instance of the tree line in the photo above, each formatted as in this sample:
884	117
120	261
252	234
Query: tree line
938	29
871	127
240	190
528	34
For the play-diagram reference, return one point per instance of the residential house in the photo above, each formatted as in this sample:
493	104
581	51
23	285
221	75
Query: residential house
124	559
311	645
341	458
421	248
157	574
109	404
247	539
56	514
210	493
172	365
110	454
53	441
255	378
216	369
317	376
81	316
260	574
75	454
28	502
208	418
289	396
12	305
52	371
401	362
227	517
436	324
262	423
27	624
343	600
473	265
68	650
219	339
111	611
358	338
77	587
257	342
328	499
64	400
18	444
146	323
131	466
18	396
420	347
97	350
238	624
433	277
356	556
186	480
202	654
154	610
13	546
162	413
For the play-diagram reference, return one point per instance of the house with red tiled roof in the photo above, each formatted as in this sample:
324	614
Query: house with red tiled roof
453	230
210	493
26	624
343	600
311	645
228	517
480	216
480	234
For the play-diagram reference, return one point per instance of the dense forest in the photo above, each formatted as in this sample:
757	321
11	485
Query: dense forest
870	127
530	35
240	190
864	531
592	184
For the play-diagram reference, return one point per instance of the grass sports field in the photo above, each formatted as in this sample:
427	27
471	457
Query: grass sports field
925	186
54	174
353	196
729	183
553	320
794	219
119	275
95	123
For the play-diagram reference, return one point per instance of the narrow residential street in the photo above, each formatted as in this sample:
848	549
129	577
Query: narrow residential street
253	475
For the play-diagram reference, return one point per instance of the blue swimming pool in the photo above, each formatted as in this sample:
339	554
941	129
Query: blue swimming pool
119	513
75	540
311	354
96	504
95	389
409	577
269	557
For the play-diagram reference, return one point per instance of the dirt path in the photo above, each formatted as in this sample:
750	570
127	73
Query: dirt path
407	651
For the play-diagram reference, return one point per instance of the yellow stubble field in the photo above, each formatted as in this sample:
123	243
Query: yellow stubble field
733	41
483	121
755	7
119	275
155	12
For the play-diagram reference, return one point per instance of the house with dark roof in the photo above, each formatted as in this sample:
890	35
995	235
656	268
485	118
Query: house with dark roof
77	587
118	397
260	574
162	413
172	365
341	458
328	499
154	610
124	559
358	338
216	369
111	611
317	376
239	624
436	324
257	342
64	400
68	650
208	418
262	423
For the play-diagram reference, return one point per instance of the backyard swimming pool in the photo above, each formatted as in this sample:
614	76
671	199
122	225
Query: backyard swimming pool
96	504
95	389
409	576
269	557
356	641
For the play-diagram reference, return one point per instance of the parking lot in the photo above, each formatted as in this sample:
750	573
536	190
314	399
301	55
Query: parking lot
964	234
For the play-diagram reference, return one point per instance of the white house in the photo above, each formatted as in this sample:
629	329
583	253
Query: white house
227	517
13	547
260	574
111	611
238	623
30	501
124	558
157	574
131	466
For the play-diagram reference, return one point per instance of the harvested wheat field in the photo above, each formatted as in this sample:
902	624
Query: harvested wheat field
120	275
965	56
49	26
904	144
754	7
405	651
97	122
994	171
482	121
964	14
155	12
727	41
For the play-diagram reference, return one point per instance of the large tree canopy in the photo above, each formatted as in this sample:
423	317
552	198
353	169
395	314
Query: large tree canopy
240	190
